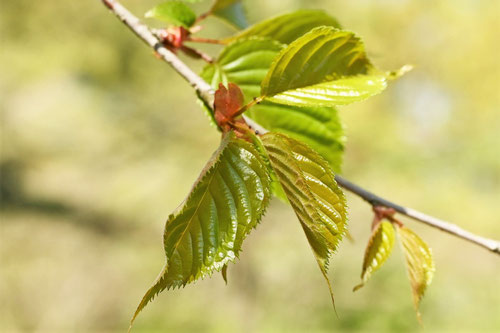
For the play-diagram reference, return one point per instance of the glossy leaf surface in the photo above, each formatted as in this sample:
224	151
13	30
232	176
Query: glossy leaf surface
231	11
377	251
288	27
325	67
207	230
310	186
419	263
246	62
173	12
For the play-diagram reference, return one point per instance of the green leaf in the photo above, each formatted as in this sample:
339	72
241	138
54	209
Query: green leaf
246	62
288	27
173	12
231	11
320	127
419	264
377	251
207	230
325	67
310	186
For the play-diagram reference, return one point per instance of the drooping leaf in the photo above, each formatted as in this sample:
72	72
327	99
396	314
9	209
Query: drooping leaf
325	67
246	62
377	251
310	186
288	27
318	127
419	264
231	11
173	12
208	228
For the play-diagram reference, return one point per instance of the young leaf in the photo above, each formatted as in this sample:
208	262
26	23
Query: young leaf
226	104
377	251
288	27
246	62
231	11
310	186
325	67
173	12
207	230
419	263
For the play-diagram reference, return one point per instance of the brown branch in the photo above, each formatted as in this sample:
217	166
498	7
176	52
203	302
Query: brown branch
143	32
206	94
375	200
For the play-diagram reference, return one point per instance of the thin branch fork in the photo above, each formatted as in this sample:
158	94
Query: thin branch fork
206	93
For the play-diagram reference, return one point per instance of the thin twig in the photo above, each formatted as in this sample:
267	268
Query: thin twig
206	94
143	32
375	200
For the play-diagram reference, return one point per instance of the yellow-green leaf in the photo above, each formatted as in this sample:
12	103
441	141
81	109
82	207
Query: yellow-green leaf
419	264
246	62
174	12
377	251
325	67
208	228
310	186
286	28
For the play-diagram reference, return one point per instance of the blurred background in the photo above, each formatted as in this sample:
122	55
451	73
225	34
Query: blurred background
101	141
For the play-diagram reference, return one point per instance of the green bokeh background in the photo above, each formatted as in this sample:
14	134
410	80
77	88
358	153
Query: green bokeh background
101	141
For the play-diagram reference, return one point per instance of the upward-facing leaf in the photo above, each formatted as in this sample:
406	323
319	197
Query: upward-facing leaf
288	27
311	188
207	230
173	12
377	251
419	263
325	67
231	11
246	62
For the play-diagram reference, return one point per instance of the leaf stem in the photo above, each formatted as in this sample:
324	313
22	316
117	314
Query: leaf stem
202	17
197	54
206	93
205	40
254	101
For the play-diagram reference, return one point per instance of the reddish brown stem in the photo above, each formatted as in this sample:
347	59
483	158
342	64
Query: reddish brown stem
202	17
205	40
197	54
254	101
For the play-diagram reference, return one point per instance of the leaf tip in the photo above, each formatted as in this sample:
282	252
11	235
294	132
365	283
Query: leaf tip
224	273
359	286
400	72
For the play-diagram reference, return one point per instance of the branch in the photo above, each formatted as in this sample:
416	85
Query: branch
206	93
375	200
143	32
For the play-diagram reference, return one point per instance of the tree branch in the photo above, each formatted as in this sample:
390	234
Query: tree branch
143	32
206	93
375	200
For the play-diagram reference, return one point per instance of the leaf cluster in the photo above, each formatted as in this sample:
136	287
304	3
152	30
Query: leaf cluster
288	73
